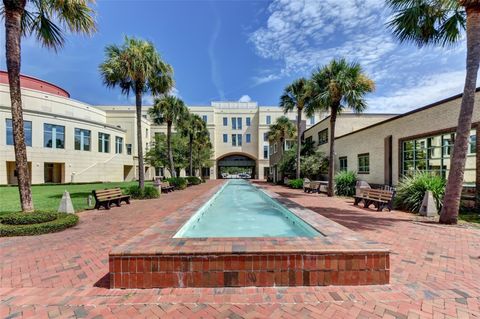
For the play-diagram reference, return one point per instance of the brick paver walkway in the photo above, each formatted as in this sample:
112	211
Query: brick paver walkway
435	271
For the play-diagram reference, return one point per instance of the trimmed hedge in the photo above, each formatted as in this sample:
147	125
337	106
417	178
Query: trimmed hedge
62	222
296	183
27	218
148	192
194	180
178	182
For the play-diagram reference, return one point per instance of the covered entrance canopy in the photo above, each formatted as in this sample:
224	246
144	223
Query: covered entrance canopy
236	166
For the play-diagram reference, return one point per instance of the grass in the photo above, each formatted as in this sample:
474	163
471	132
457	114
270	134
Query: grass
47	197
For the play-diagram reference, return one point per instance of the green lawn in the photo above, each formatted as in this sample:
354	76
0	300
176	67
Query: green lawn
47	197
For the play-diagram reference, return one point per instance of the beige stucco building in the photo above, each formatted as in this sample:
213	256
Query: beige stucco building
71	141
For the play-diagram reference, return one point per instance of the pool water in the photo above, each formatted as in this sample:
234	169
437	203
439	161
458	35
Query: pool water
240	209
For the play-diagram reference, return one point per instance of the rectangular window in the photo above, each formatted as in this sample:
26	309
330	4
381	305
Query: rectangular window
323	137
82	139
275	148
265	137
289	145
225	138
129	149
247	138
234	139
234	123
269	120
312	120
205	118
104	143
308	140
27	127
118	145
239	123
239	139
265	151
364	163
53	136
343	163
473	144
248	121
225	121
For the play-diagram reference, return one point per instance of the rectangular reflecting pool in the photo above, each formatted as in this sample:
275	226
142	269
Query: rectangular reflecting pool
240	209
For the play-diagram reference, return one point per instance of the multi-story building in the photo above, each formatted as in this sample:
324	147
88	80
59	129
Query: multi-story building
71	141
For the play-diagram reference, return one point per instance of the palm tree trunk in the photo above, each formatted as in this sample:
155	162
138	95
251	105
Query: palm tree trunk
169	149
141	170
13	16
299	138
190	155
453	192
331	159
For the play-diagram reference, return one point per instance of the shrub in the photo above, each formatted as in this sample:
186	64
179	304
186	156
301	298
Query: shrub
178	182
345	182
27	219
194	180
147	193
62	221
411	190
296	183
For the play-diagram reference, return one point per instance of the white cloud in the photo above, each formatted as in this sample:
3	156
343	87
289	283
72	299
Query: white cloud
245	98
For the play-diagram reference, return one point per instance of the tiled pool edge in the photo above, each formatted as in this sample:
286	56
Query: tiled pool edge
153	259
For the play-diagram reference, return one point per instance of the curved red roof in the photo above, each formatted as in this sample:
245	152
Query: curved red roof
29	82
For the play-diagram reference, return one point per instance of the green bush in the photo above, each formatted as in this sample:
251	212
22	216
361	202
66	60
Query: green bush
147	193
61	222
27	218
411	190
178	182
345	182
296	183
194	180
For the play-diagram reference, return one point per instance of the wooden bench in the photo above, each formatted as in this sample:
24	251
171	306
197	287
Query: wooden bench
166	188
312	187
107	197
378	197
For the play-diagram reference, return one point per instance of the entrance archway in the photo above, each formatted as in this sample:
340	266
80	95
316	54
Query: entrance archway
236	166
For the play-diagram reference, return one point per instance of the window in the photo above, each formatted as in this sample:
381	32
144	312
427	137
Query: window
104	143
265	137
234	123
275	148
118	145
239	139
247	138
82	139
473	144
27	127
234	139
225	121
53	136
225	138
247	121
269	120
205	118
309	140
312	120
343	163
146	132
129	149
289	145
364	163
265	151
323	137
239	123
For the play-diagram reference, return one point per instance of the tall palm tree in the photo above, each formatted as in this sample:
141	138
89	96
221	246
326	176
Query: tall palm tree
170	110
190	127
282	130
442	22
136	66
47	21
337	86
296	96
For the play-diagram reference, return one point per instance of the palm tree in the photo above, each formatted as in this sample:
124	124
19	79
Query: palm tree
441	22
190	127
282	130
47	21
296	95
171	110
136	66
337	86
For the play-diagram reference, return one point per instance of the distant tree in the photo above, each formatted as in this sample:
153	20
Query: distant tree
296	96
136	66
282	130
157	156
191	127
171	110
314	164
47	21
203	150
442	22
337	86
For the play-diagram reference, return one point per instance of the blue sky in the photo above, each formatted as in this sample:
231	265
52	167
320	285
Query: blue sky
242	50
